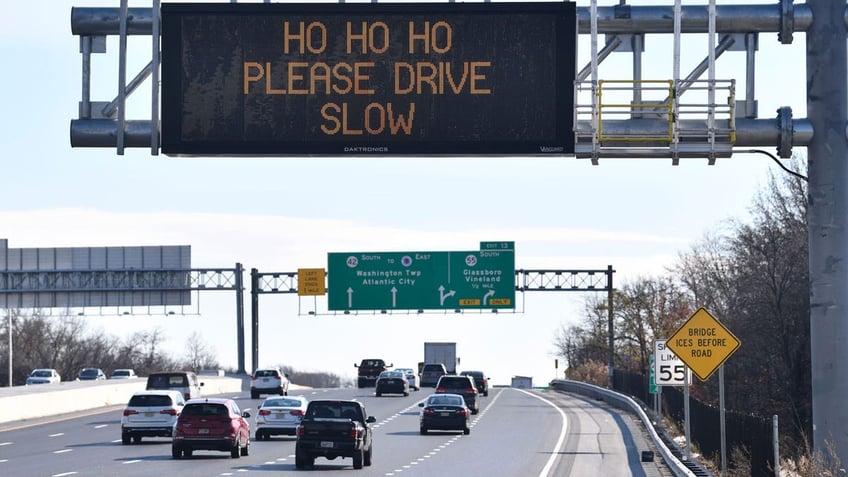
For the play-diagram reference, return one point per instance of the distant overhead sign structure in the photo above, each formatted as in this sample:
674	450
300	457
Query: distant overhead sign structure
422	280
372	79
703	343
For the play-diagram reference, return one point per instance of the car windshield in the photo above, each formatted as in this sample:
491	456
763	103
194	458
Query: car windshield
147	400
88	372
373	363
445	400
266	373
282	403
121	373
42	373
205	409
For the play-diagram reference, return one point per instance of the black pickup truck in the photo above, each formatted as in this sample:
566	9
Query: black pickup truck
334	429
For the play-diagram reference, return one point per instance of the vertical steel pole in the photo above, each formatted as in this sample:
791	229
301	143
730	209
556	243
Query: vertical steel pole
9	314
827	109
686	427
610	330
239	279
775	445
723	430
254	315
154	81
122	78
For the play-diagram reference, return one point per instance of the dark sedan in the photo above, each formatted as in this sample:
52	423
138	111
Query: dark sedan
445	412
392	382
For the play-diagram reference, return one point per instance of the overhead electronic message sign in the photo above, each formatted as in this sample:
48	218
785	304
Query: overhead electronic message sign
368	79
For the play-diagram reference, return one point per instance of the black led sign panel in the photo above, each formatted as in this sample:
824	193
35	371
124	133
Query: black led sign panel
368	79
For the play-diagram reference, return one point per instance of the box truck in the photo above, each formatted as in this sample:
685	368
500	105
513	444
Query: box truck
441	352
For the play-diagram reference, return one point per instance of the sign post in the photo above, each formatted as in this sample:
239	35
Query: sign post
704	344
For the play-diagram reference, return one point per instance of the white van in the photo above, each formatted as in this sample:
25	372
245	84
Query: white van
184	381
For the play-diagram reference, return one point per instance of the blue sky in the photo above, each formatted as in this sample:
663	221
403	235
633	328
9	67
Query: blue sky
280	214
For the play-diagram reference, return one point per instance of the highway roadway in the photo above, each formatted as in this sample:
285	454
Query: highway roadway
517	433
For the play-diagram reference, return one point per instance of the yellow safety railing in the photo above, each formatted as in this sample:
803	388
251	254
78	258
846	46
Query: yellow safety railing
614	88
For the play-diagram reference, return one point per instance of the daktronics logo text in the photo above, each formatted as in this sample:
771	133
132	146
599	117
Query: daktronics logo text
366	149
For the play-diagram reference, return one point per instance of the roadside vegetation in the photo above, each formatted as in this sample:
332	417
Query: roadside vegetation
66	344
753	276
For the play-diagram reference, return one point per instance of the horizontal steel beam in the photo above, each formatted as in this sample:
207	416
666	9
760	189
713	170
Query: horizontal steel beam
749	132
94	21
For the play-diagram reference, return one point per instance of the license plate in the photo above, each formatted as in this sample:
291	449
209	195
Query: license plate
148	414
444	414
203	431
326	444
280	415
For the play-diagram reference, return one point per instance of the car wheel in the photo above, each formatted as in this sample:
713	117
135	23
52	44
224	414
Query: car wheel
260	436
235	451
176	452
379	394
466	431
406	393
423	430
254	395
367	461
136	439
125	439
245	451
187	453
475	410
357	459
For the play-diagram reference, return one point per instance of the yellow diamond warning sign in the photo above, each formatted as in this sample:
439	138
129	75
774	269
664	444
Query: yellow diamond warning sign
703	343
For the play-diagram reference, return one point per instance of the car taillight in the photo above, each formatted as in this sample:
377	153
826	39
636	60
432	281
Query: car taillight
300	431
170	412
296	412
130	412
441	390
471	390
354	432
264	412
429	412
253	378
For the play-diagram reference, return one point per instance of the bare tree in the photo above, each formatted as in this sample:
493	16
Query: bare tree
198	355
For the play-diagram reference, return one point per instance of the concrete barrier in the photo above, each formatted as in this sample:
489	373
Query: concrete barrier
20	403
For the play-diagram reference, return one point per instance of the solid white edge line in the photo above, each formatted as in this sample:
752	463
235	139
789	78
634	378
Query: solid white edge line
563	431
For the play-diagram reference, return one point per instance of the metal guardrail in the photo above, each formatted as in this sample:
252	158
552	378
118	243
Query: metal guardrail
679	467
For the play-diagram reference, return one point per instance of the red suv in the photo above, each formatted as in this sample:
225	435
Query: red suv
211	424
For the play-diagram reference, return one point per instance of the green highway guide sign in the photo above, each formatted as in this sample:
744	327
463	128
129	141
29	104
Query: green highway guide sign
477	279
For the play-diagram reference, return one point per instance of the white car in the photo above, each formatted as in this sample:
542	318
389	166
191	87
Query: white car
123	374
279	415
412	377
43	376
268	381
151	414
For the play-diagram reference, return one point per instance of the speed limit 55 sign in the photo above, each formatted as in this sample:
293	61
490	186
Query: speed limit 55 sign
669	370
